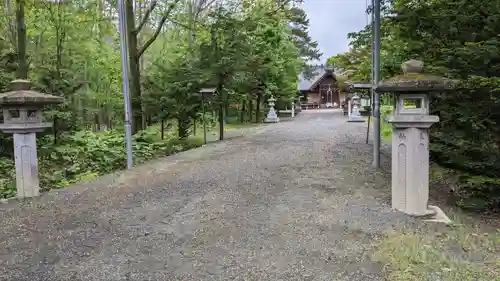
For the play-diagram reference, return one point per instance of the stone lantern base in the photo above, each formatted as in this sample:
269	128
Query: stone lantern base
410	163
355	116
272	117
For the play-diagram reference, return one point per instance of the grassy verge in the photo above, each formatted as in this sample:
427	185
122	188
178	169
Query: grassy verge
469	250
385	128
457	253
197	133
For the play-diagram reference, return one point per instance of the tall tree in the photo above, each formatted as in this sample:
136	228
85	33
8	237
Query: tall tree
308	48
22	71
136	51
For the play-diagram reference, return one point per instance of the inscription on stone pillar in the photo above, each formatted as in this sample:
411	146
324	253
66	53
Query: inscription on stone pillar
402	136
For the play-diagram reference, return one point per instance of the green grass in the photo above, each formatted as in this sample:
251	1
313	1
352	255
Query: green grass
457	253
385	128
199	129
385	131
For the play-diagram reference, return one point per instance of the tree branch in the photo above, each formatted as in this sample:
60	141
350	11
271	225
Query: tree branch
146	16
203	5
180	24
158	29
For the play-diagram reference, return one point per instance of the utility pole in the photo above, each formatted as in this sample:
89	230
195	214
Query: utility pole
376	79
125	76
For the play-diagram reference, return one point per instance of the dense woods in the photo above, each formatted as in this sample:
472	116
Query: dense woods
247	50
457	39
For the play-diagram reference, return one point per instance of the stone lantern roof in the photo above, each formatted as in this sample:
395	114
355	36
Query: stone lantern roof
21	94
413	79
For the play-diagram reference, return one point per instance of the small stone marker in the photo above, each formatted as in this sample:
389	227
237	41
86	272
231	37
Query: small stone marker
272	117
410	136
22	112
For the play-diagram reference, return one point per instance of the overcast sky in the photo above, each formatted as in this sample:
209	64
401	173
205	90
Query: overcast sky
331	20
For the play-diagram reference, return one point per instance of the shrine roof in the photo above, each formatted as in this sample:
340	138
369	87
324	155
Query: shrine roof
306	84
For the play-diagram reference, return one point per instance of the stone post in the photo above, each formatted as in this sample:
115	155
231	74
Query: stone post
272	117
349	107
355	116
293	108
410	136
22	112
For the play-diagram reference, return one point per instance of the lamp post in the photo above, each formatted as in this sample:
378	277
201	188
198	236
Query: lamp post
365	86
205	92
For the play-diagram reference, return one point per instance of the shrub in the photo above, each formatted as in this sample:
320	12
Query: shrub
467	139
86	155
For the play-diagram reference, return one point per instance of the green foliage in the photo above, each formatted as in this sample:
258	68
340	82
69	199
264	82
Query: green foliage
456	39
86	155
247	50
385	128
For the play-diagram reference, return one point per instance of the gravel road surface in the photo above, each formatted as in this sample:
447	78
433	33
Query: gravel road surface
296	200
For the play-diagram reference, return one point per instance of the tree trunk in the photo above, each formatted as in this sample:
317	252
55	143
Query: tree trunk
183	127
11	23
242	111
250	109
257	108
144	117
135	73
54	127
162	126
221	122
22	70
226	111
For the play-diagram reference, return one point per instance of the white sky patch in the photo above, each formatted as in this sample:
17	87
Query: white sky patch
331	20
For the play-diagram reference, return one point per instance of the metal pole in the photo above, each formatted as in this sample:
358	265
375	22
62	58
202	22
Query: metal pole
372	73
204	120
125	76
376	79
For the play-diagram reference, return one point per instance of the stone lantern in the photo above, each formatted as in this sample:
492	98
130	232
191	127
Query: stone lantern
355	116
272	117
410	136
22	114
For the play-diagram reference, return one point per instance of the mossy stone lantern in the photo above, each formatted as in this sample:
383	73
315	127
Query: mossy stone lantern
272	117
22	114
410	135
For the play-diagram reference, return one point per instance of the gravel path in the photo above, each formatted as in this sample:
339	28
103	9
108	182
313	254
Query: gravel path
296	200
